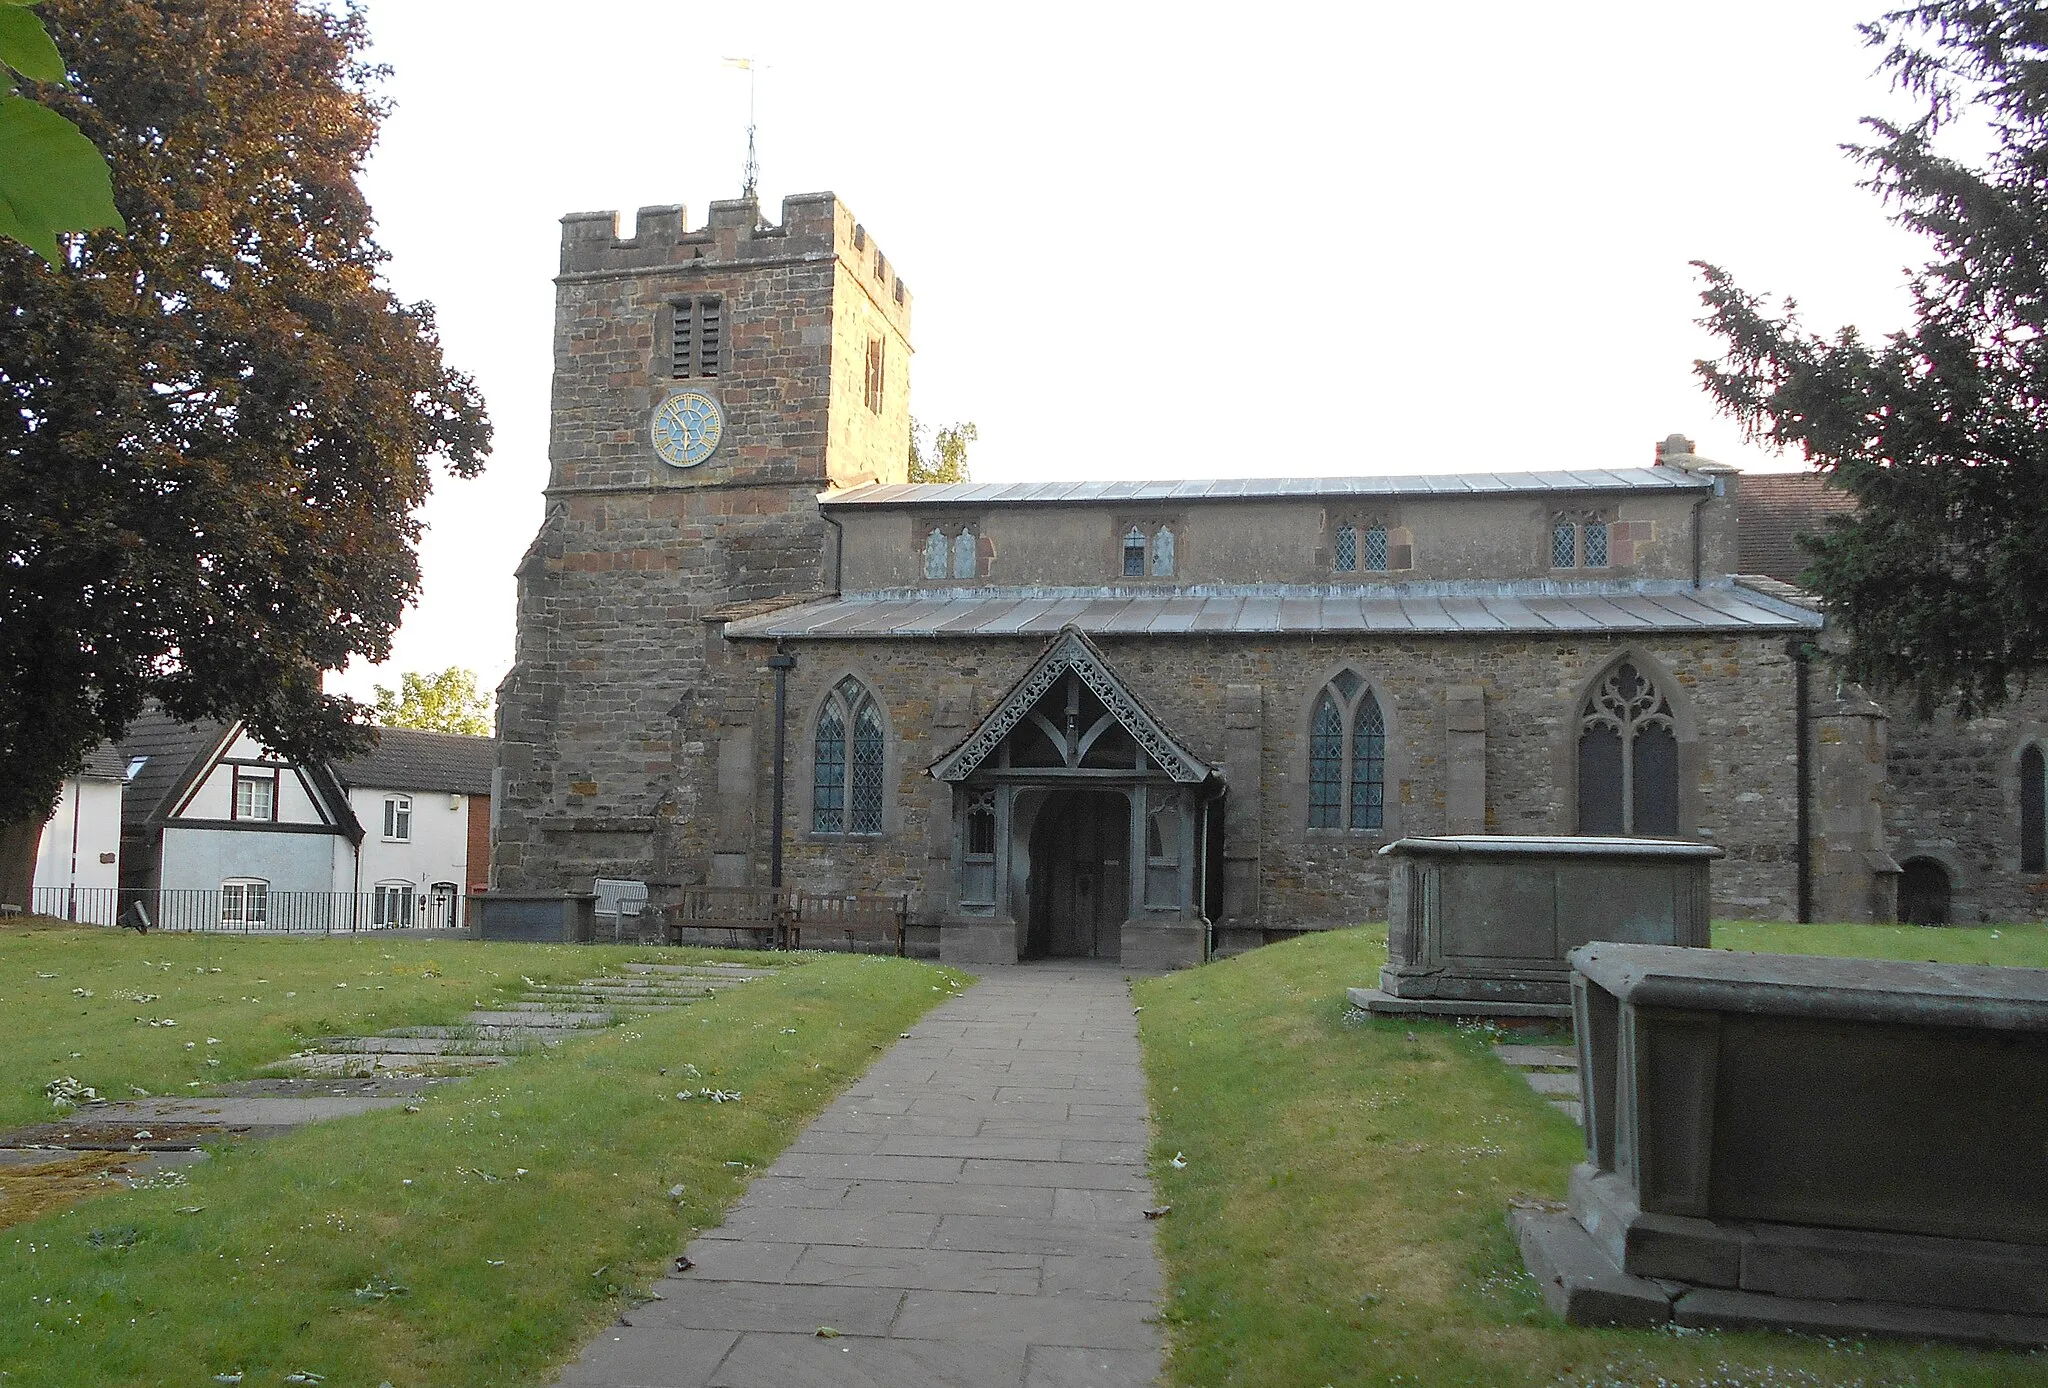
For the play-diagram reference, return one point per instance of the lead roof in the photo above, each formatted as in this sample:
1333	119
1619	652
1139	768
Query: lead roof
1650	479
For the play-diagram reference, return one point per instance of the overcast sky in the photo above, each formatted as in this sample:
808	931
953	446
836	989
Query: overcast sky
1151	241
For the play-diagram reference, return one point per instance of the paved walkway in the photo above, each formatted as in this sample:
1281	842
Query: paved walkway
970	1214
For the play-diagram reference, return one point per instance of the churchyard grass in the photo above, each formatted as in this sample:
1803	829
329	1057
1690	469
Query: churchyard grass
480	1240
1342	1215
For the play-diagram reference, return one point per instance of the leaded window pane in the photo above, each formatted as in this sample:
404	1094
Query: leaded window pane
1162	553
1596	545
1326	766
1368	766
1564	545
1600	780
866	808
1347	550
1134	553
1655	791
828	773
964	554
935	554
1376	550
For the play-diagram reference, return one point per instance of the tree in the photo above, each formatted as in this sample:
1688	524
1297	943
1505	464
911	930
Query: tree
444	703
215	431
1939	430
946	461
51	178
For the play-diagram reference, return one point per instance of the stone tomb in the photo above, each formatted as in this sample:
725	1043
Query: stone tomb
1481	925
1841	1146
568	918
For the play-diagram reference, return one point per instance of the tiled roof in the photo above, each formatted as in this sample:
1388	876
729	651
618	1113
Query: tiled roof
169	748
409	759
104	763
1773	509
1504	608
1656	479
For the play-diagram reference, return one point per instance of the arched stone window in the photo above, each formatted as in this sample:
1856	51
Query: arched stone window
1162	553
846	763
2033	810
935	554
1628	757
1347	757
1134	553
964	555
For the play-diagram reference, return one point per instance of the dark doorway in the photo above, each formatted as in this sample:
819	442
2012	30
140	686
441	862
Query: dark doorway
1923	892
1080	875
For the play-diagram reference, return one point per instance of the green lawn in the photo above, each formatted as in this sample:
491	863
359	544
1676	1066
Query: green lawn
479	1241
1342	1215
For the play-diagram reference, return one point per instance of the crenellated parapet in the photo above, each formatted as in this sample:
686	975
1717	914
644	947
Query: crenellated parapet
814	226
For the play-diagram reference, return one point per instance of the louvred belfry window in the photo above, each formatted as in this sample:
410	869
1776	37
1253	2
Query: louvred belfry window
848	763
697	337
1628	757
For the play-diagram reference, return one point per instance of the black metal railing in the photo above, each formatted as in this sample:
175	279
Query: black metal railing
255	910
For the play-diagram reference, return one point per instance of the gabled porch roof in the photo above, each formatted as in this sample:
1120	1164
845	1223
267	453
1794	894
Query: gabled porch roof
1071	650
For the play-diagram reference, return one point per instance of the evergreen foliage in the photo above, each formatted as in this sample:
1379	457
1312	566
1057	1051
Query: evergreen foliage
1940	430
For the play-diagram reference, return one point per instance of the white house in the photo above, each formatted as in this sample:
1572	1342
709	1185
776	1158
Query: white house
78	863
218	829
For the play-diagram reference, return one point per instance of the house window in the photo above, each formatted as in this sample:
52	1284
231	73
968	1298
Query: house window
1134	553
245	903
1564	545
255	794
1345	556
978	880
1347	757
2033	810
874	381
697	337
1162	553
391	905
1628	757
398	818
847	799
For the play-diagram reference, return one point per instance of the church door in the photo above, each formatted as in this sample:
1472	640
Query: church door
1080	874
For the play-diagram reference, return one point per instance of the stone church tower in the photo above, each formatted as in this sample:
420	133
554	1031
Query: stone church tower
708	385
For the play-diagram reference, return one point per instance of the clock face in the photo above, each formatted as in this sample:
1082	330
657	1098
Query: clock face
687	427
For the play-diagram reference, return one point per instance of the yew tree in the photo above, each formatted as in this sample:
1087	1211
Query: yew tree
216	427
1938	429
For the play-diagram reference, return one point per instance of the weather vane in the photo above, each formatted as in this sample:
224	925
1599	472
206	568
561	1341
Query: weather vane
752	175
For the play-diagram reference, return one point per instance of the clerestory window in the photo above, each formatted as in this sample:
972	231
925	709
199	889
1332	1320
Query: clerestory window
1347	757
1628	757
847	763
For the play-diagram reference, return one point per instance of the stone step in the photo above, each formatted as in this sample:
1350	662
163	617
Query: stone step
676	994
356	1065
735	971
422	1045
484	1033
534	1015
1539	1057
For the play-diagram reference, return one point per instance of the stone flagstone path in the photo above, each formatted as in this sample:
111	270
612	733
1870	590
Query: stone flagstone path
970	1214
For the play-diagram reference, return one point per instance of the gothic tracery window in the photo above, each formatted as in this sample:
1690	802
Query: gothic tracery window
847	763
1347	757
1628	757
935	551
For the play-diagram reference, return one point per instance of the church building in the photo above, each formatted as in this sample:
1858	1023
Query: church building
1147	721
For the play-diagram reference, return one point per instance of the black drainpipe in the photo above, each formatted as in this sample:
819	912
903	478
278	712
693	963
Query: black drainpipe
1802	717
782	662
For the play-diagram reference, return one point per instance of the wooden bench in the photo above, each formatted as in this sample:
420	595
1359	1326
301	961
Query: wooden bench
858	915
762	912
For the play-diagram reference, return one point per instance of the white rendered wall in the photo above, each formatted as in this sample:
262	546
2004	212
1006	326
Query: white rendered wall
437	851
202	859
91	809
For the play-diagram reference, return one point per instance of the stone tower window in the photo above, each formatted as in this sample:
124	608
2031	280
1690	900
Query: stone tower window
847	799
2033	810
1628	757
697	337
1347	757
1134	553
876	363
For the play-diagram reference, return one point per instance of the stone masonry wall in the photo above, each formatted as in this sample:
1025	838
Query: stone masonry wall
1735	695
1954	797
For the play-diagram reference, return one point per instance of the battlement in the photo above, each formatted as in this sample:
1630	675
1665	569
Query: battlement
813	225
